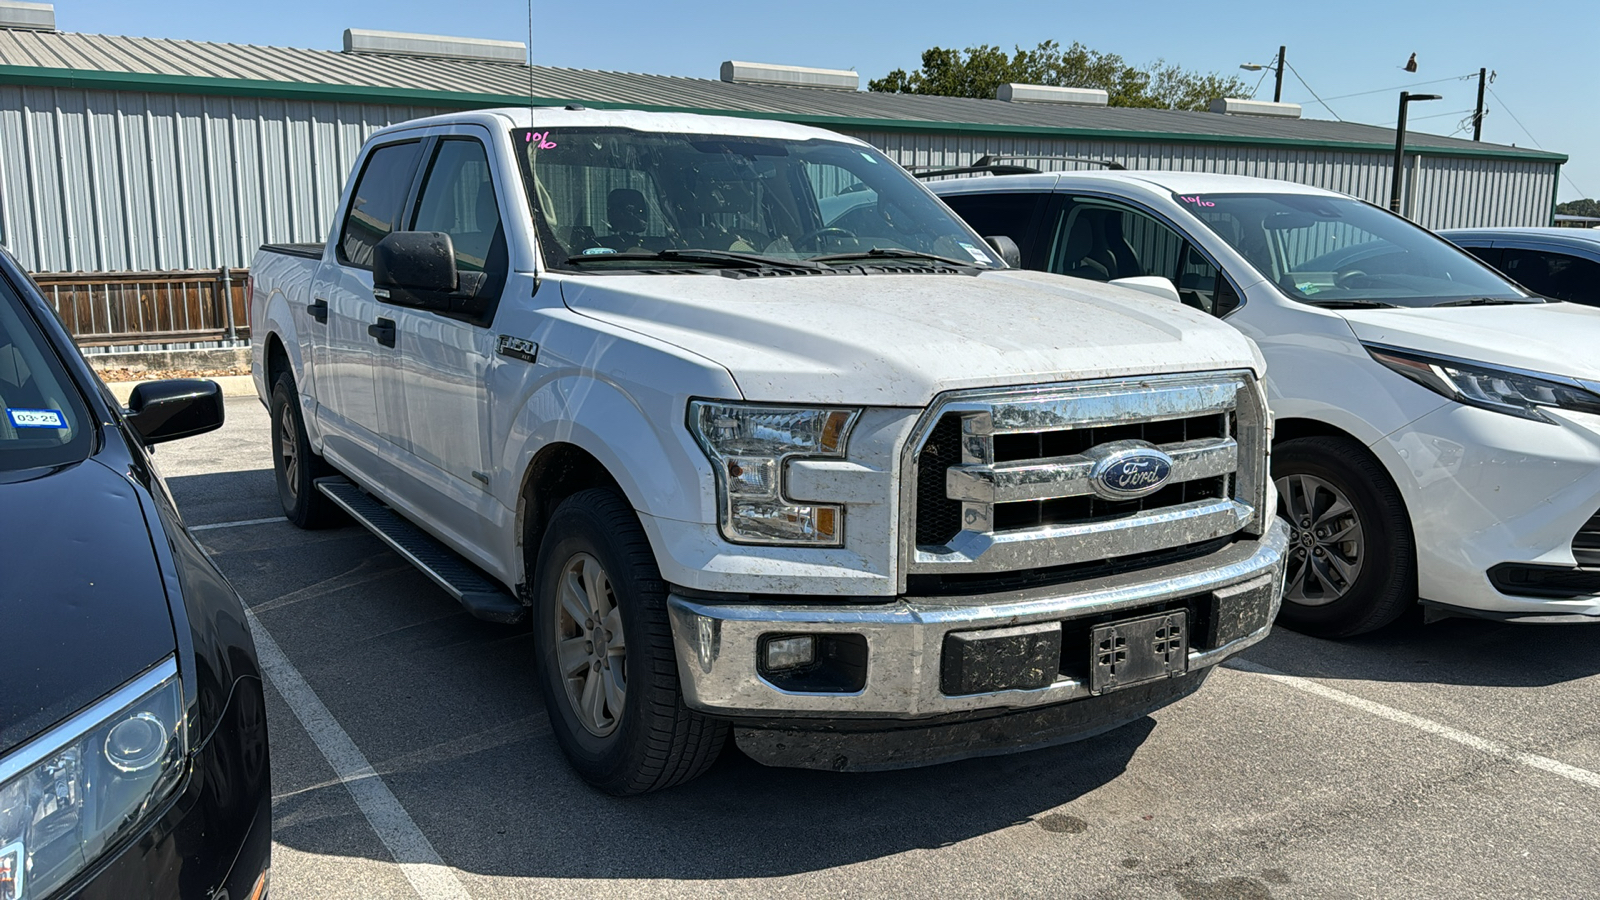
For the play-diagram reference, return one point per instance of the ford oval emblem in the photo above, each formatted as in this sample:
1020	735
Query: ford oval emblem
1128	470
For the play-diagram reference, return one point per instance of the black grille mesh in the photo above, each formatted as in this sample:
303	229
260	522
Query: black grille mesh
1586	546
938	517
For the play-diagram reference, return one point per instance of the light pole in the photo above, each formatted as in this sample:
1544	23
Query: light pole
1277	87
1406	97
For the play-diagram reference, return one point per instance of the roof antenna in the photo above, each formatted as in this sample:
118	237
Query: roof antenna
530	63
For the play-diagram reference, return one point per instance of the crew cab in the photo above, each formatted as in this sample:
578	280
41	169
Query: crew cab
761	436
1438	427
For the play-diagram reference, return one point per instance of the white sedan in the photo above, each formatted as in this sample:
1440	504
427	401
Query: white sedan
1438	428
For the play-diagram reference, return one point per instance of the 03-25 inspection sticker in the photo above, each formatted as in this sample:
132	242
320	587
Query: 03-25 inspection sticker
36	418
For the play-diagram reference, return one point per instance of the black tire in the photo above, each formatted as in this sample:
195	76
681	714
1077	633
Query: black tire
1383	582
656	741
295	468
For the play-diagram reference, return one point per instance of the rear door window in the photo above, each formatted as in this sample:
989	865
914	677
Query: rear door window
380	192
1559	276
1490	255
43	421
1009	214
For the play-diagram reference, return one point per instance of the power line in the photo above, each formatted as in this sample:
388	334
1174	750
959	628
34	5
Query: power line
1313	93
1410	85
1574	184
1455	112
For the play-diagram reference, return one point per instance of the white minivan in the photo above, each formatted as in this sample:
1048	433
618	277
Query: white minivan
1438	427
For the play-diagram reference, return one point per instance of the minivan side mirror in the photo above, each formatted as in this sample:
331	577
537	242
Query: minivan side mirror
1155	285
1007	248
178	408
415	268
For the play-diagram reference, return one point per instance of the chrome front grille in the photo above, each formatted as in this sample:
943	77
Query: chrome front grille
1002	479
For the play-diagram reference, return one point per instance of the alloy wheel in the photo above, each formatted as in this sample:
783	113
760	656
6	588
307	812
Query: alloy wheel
590	650
1326	546
289	451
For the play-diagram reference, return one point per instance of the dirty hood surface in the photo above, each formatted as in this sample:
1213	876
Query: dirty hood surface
898	340
1558	338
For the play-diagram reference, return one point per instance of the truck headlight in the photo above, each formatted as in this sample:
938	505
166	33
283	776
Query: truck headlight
75	791
748	446
1509	391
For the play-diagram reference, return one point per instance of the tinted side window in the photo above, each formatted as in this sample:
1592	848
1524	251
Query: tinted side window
380	192
1490	255
1554	275
1096	239
1202	285
1007	214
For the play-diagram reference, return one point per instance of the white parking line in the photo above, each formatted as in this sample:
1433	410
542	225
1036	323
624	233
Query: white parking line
410	848
239	524
1493	748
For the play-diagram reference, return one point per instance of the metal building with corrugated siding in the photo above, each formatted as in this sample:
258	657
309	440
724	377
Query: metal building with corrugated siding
140	154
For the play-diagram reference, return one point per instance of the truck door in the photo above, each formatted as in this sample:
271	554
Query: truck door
444	356
356	342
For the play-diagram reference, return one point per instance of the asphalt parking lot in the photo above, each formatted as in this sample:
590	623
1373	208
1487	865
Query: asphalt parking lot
411	758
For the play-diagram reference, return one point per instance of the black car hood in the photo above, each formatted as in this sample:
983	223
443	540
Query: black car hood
82	603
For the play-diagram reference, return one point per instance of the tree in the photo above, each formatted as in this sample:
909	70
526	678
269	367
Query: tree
977	71
1579	208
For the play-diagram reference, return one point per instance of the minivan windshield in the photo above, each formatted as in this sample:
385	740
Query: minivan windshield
42	419
618	198
1339	251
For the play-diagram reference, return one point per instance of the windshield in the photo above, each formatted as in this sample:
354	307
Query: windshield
41	417
1339	251
649	199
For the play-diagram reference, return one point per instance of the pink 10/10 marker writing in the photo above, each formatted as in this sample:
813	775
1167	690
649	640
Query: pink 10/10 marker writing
544	142
1196	201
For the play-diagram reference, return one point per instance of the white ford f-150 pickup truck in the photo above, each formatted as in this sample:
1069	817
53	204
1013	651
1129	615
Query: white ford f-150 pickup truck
762	437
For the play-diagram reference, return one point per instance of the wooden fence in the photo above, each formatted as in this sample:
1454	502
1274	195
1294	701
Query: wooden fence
104	309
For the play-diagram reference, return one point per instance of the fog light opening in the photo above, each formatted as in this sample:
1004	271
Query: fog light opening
785	653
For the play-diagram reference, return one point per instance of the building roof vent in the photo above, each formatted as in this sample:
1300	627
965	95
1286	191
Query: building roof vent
395	43
735	72
27	16
1044	93
1235	107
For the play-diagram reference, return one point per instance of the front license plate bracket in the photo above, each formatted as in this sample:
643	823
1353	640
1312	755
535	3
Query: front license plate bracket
1134	651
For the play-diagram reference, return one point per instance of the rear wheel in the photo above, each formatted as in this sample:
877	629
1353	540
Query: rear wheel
1352	564
294	466
607	667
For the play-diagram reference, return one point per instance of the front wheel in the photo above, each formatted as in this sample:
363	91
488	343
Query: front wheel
607	668
1352	564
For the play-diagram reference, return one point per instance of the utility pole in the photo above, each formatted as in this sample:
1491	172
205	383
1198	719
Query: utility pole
1477	117
1277	90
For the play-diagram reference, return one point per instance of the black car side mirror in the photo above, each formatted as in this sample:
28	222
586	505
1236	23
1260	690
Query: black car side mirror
415	268
179	408
1007	248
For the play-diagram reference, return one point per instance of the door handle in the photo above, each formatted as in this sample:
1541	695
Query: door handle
318	310
383	331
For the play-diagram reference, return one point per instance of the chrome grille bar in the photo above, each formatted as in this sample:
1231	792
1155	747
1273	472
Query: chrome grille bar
1068	476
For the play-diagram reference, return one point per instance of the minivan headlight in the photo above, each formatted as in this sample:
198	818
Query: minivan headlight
72	793
1508	391
748	445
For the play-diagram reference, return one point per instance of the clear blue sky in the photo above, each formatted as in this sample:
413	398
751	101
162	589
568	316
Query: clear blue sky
1543	50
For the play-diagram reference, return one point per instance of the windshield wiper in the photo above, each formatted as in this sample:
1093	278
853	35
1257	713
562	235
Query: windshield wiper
1488	301
732	258
1350	304
892	253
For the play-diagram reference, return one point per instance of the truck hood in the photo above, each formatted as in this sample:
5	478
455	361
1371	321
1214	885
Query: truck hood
1558	338
898	340
83	607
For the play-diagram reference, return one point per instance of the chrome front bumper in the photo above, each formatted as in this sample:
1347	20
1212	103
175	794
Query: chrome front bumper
718	643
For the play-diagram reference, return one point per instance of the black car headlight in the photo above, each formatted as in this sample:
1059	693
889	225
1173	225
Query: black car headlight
72	793
1509	391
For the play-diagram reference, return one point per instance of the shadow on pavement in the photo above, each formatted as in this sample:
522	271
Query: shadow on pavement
1473	652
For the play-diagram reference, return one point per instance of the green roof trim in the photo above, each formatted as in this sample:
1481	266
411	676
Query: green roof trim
88	79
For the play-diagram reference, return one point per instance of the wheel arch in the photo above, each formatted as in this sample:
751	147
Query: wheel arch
556	472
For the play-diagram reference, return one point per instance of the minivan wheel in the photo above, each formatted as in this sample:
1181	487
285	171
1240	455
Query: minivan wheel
1352	564
603	645
294	466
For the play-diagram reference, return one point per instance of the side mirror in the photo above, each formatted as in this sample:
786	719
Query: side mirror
1155	285
179	408
415	268
1007	248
